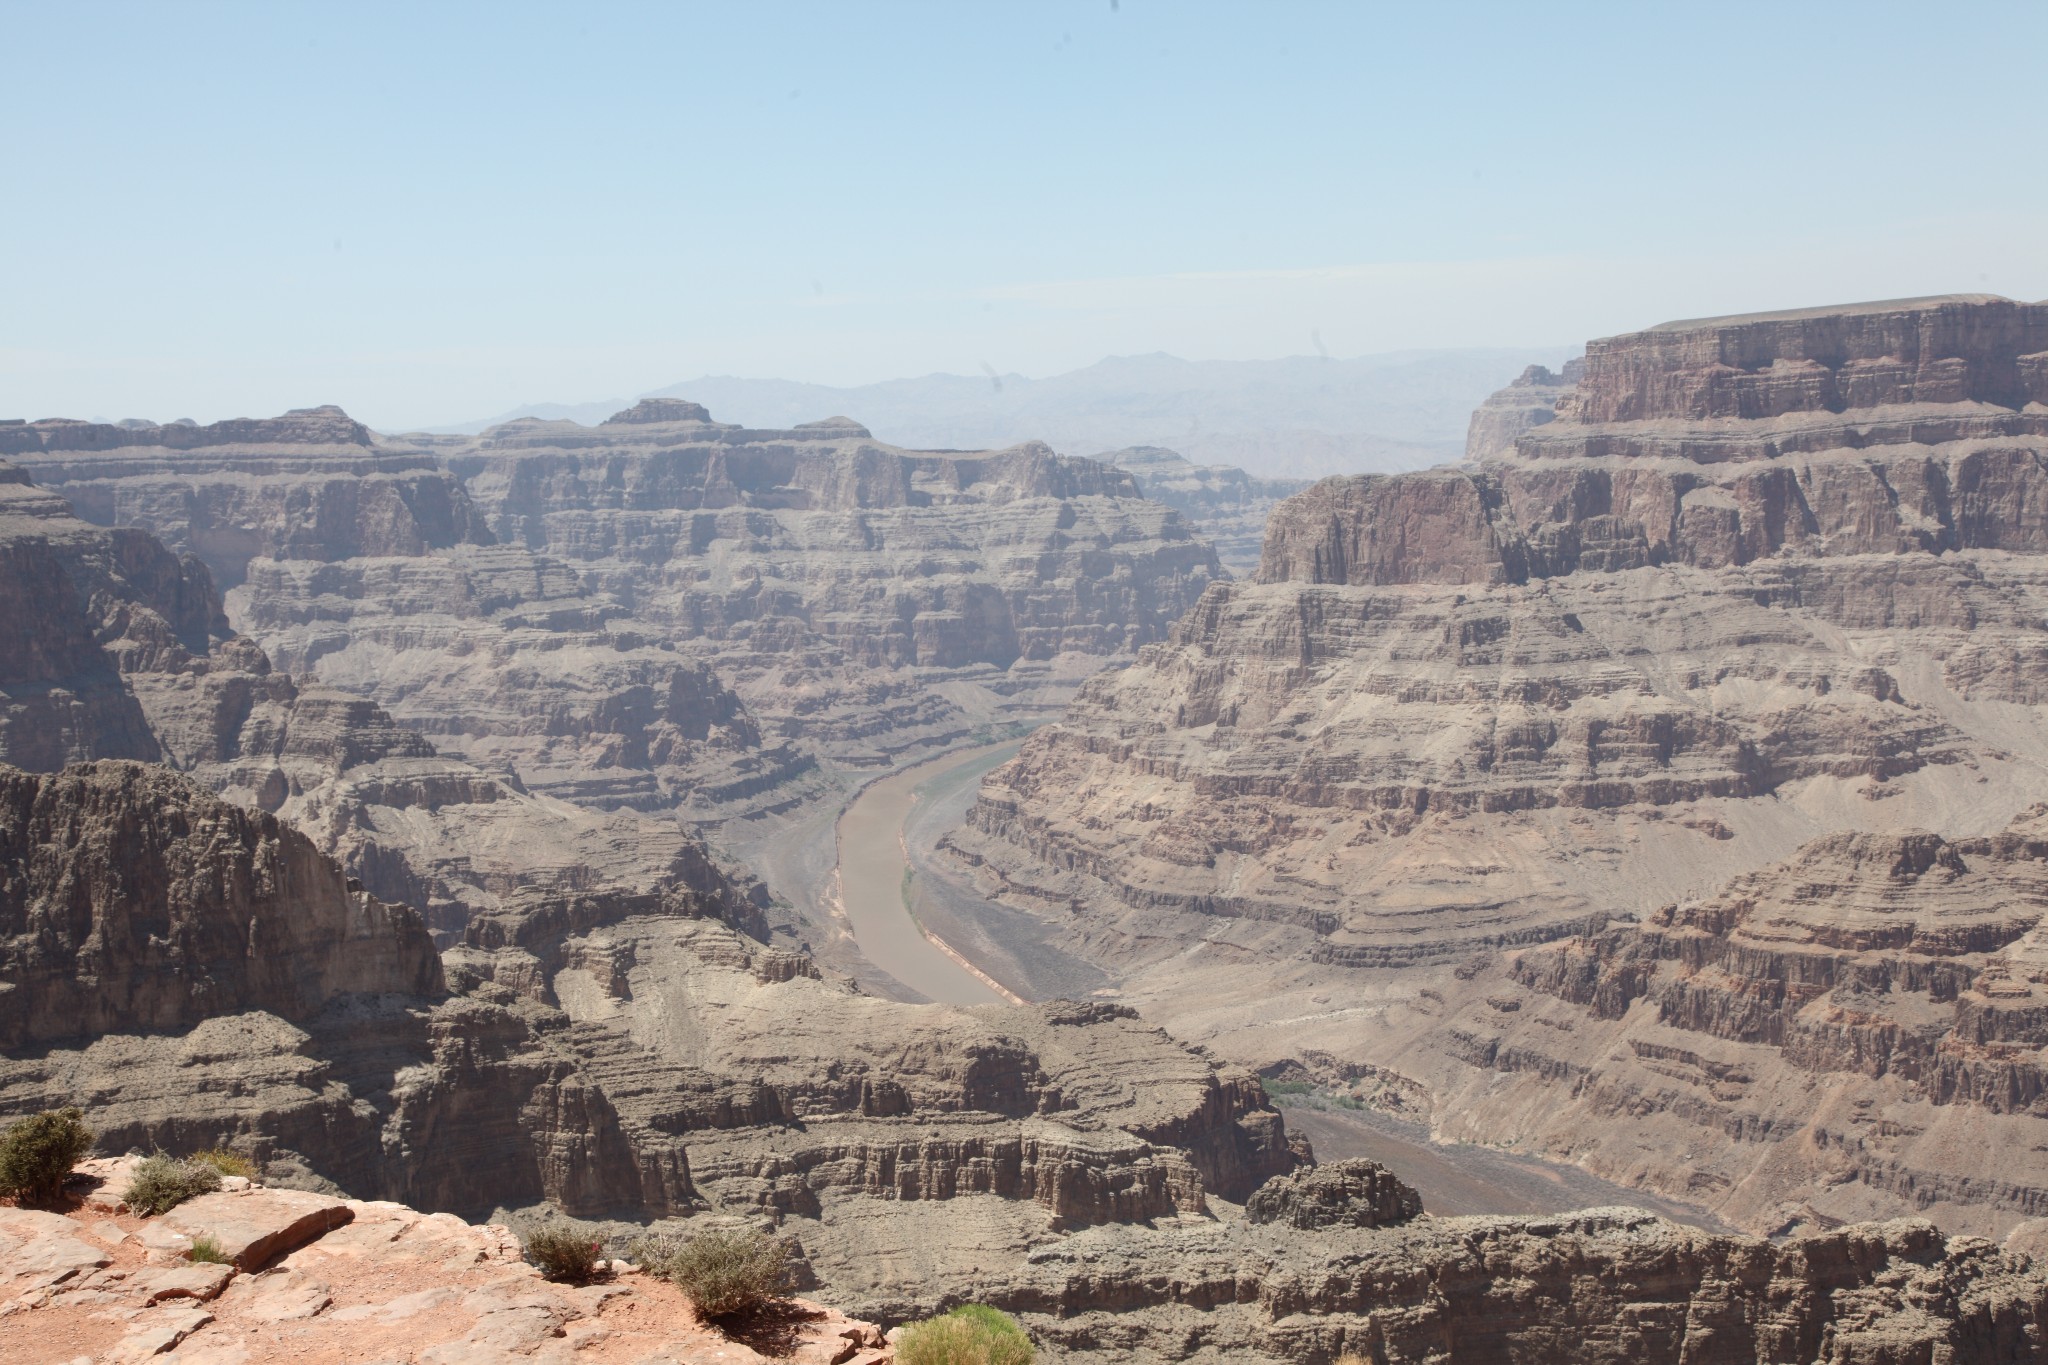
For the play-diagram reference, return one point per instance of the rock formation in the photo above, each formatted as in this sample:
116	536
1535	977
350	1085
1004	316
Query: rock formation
1225	506
1614	1286
129	904
1530	401
1356	1194
1761	581
310	1277
312	484
116	648
309	514
847	587
196	974
661	612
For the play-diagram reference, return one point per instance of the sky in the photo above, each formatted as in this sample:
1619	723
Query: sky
435	212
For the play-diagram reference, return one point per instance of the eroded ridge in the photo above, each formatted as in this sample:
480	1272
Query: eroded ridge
1754	581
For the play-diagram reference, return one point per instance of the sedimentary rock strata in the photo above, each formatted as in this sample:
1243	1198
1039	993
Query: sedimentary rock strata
197	974
312	484
1224	505
129	904
845	586
571	604
1761	580
116	648
331	541
1530	401
1607	1285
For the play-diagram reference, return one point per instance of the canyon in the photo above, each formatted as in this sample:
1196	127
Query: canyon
1654	791
460	822
658	623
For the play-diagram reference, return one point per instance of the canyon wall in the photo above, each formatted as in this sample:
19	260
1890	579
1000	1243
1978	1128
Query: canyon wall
119	649
1759	582
1223	505
662	612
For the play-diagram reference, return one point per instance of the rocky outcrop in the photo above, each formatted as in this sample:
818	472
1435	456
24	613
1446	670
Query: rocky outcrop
1606	1285
1530	401
130	904
784	1092
660	613
320	1278
1223	505
1346	1194
80	607
1760	581
1974	349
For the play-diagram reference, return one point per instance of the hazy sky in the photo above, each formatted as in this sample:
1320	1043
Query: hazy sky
429	212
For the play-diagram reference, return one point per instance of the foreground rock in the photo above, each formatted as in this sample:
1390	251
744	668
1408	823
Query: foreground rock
1758	582
252	1228
369	1281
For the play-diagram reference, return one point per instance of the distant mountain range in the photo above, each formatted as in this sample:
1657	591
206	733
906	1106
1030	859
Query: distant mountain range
1301	417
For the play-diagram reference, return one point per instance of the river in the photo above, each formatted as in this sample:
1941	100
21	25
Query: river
874	879
874	873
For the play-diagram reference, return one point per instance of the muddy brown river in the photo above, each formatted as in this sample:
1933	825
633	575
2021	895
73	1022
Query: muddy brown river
873	875
873	881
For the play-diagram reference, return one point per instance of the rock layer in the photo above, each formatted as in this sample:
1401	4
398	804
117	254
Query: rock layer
660	613
119	650
197	975
1224	505
129	904
1760	581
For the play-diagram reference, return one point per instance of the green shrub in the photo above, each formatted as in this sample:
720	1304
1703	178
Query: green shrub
161	1183
37	1152
226	1162
972	1334
564	1255
723	1270
206	1251
1278	1089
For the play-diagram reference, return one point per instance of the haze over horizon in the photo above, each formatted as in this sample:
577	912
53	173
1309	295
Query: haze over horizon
429	217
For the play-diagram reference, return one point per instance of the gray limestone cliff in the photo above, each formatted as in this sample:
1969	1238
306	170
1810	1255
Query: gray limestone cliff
1758	584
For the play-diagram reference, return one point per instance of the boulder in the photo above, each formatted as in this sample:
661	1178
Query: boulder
257	1226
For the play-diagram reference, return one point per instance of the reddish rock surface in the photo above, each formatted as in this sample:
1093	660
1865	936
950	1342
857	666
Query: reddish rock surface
362	1282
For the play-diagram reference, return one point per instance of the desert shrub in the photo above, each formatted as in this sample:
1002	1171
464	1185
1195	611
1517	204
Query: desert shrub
723	1270
972	1334
226	1162
206	1251
37	1152
161	1183
564	1255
